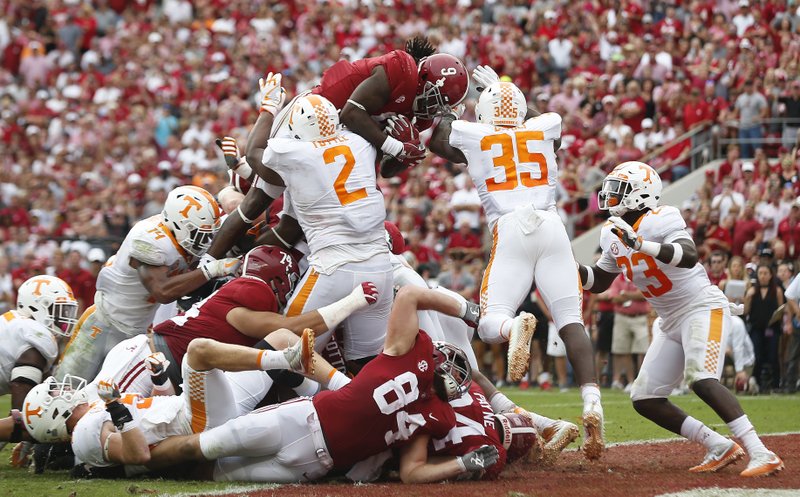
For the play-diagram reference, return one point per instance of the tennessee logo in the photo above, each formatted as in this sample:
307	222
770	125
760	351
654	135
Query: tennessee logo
190	203
39	282
646	170
31	412
422	366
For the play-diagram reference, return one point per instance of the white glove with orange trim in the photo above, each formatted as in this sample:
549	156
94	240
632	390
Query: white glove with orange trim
218	268
272	93
21	455
631	239
108	391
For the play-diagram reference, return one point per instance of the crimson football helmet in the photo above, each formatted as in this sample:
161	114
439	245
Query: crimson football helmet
443	84
452	369
275	267
517	434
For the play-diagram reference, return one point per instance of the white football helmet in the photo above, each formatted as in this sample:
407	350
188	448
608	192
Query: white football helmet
502	104
192	215
48	405
313	118
49	300
631	186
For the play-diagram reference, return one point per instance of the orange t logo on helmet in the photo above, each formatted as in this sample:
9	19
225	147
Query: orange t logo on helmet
190	202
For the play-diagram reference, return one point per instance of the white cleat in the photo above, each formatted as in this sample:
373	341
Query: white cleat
556	438
718	457
519	345
301	355
593	432
762	464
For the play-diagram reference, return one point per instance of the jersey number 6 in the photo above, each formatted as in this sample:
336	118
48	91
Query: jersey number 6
510	156
330	155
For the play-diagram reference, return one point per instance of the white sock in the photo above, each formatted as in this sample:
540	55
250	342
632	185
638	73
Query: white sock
307	388
272	359
541	423
338	380
696	431
590	392
501	403
742	429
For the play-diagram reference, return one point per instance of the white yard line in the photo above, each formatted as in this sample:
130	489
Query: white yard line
242	490
734	492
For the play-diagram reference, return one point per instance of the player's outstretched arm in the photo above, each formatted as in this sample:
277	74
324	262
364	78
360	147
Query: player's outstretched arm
680	252
417	467
595	279
258	324
127	444
403	322
440	141
164	288
367	100
272	98
238	222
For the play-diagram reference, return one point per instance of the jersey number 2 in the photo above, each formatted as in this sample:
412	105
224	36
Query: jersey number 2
511	155
329	156
652	271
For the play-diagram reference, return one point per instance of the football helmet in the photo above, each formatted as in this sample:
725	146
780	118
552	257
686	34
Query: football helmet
192	215
274	266
452	367
443	84
313	118
501	104
48	405
517	434
631	186
49	300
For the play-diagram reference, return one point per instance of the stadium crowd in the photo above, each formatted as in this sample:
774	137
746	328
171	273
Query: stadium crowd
108	105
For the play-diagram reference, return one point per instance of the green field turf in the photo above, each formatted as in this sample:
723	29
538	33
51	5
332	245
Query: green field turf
769	414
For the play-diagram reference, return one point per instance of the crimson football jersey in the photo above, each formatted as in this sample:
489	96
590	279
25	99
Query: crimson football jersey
206	319
386	403
475	426
342	78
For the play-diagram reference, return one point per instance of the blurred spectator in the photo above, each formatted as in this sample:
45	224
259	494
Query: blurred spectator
760	302
751	107
716	270
736	281
79	279
746	228
630	334
466	242
466	204
456	277
727	199
789	230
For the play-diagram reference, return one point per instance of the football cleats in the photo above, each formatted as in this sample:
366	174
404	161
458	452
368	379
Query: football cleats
631	186
517	434
192	215
443	84
313	118
275	267
49	300
48	406
501	104
452	367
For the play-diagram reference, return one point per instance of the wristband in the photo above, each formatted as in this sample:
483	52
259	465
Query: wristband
677	255
164	387
130	425
243	169
280	239
160	380
120	415
246	219
650	248
392	146
16	432
337	312
589	278
461	465
356	104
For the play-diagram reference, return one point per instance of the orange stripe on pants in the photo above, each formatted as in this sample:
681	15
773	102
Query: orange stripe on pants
296	308
197	400
485	280
713	344
88	312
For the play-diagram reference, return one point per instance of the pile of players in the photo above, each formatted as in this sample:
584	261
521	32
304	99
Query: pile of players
290	280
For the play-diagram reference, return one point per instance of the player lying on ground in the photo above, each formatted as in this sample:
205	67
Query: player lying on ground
649	244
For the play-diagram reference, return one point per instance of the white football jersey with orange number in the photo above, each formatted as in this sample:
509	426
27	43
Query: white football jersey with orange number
158	418
332	189
125	301
511	167
670	290
20	333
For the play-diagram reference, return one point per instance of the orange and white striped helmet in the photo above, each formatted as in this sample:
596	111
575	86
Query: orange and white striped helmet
313	118
192	215
50	301
502	104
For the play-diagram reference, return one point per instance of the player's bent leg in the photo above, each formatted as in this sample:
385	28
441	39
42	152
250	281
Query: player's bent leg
365	329
125	363
88	347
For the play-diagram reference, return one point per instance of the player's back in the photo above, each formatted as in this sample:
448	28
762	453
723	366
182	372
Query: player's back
670	290
20	333
332	188
475	426
124	298
390	399
511	167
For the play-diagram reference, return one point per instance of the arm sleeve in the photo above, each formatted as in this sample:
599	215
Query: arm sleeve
148	252
456	134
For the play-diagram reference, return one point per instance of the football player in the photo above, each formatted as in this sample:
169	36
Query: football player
401	394
45	315
649	244
244	311
512	162
151	267
116	429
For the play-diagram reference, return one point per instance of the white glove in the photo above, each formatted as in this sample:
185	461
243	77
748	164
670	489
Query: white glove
21	455
736	309
230	150
107	390
156	364
484	76
272	93
626	233
219	268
